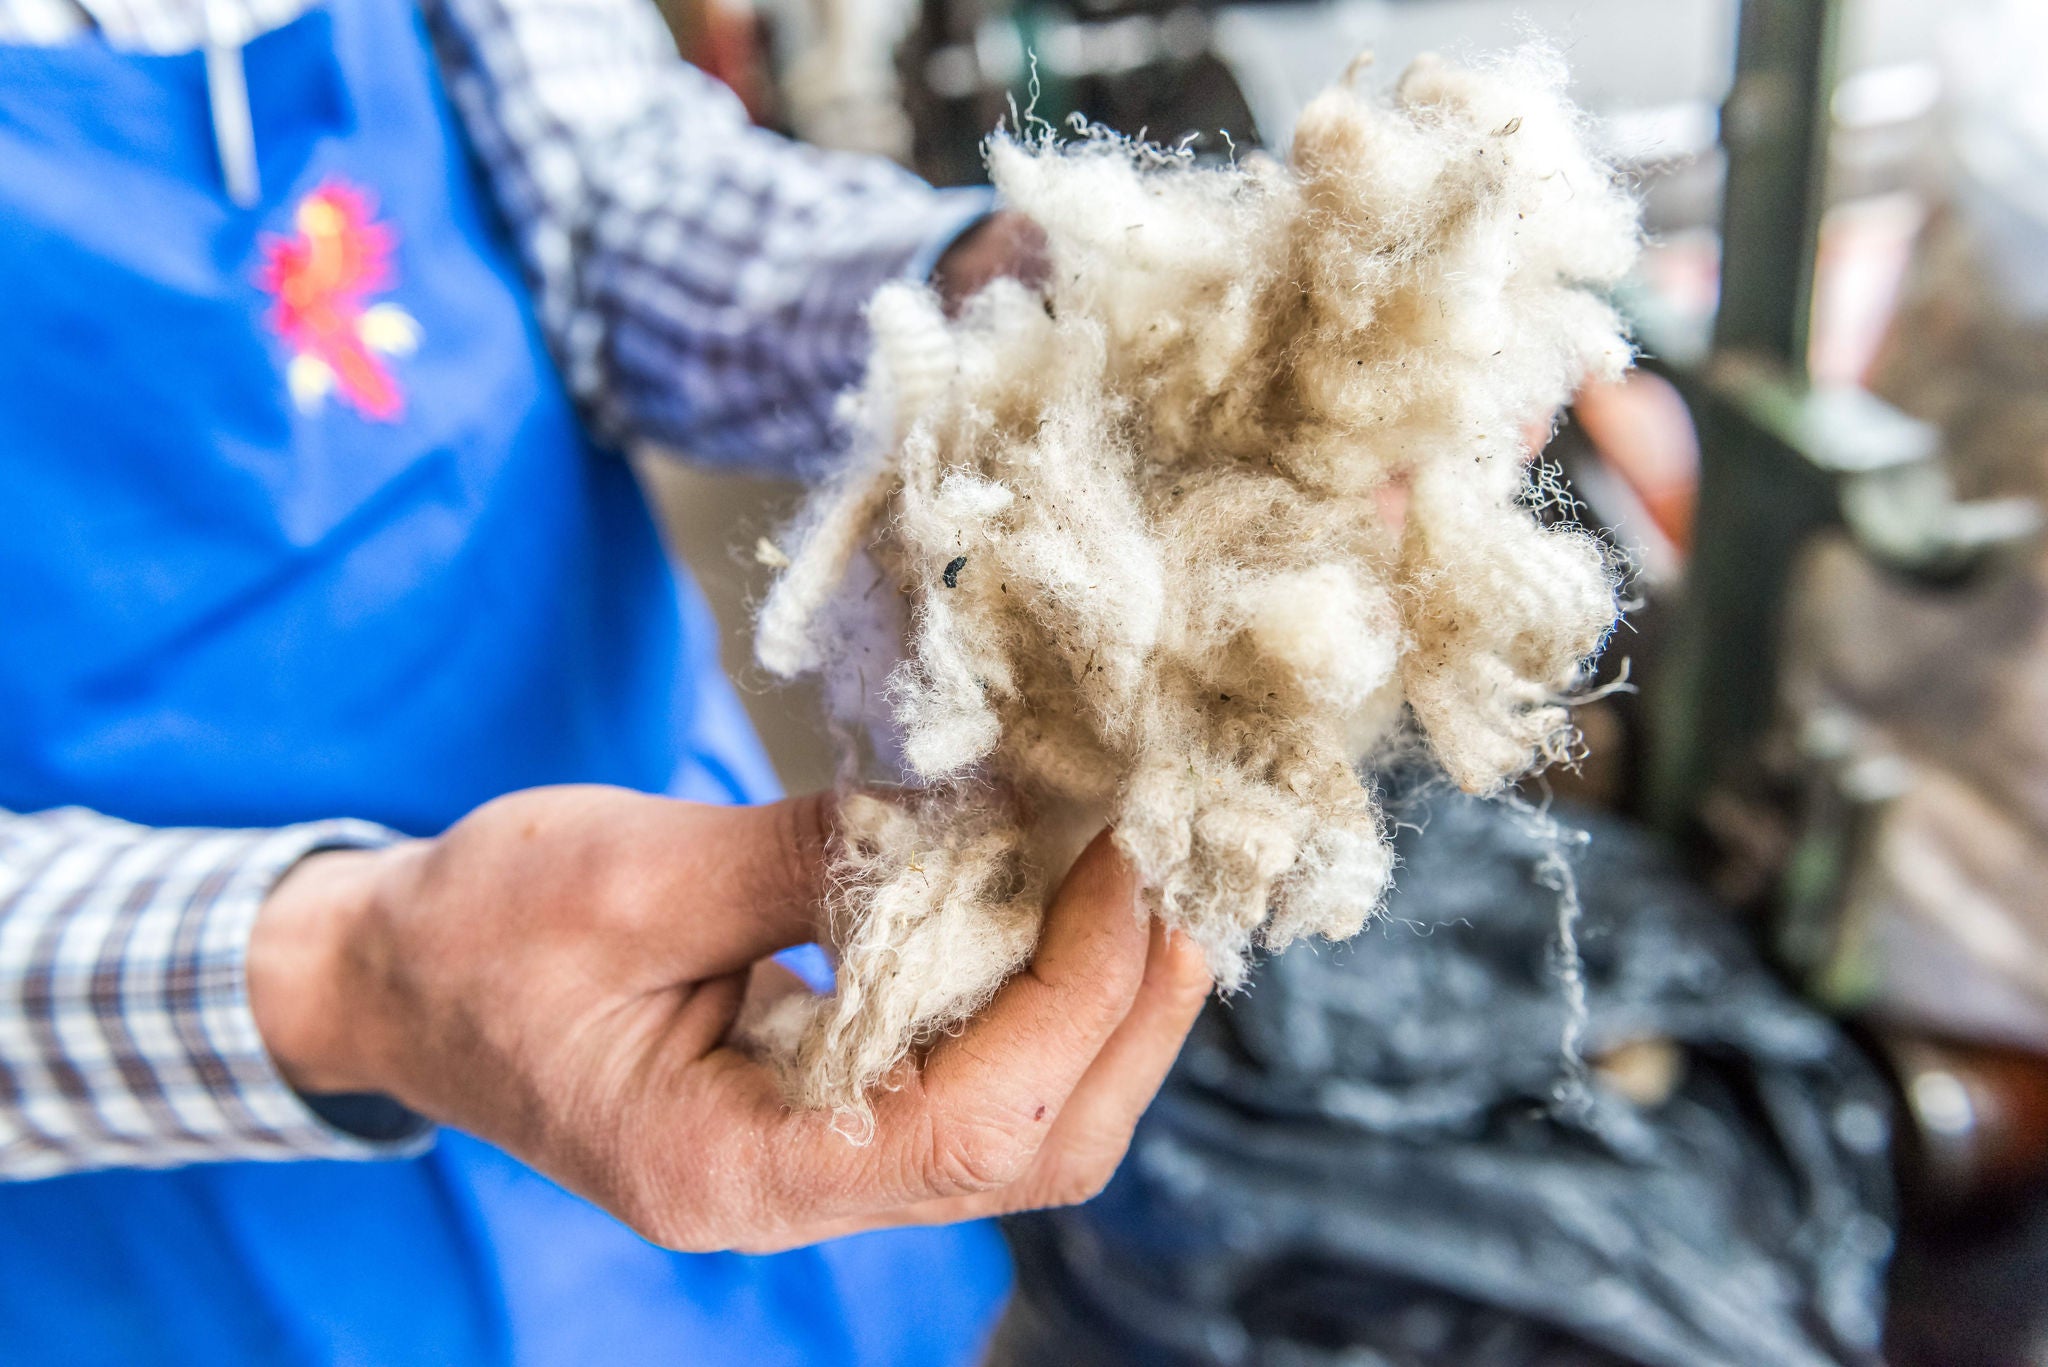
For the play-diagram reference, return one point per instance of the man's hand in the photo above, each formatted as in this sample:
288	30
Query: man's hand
1006	243
559	974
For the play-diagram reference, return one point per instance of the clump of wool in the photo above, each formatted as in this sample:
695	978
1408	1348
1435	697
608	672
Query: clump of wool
1239	504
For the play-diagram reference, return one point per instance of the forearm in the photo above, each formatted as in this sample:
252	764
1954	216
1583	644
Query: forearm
561	974
127	1037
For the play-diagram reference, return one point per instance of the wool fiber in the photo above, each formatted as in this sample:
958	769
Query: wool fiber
1241	504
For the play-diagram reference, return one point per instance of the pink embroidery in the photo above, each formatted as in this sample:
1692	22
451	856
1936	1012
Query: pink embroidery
321	277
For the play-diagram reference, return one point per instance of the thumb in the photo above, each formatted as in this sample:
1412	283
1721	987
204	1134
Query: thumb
758	883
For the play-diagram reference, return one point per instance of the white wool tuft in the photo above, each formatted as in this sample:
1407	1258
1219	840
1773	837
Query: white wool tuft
1241	505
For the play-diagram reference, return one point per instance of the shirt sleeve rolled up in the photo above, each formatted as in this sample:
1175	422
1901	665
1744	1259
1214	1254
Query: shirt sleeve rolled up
702	281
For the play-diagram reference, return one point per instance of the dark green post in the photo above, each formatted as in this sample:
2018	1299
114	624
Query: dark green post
1760	495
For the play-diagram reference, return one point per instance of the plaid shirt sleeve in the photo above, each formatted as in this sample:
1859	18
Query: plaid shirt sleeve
702	281
126	1038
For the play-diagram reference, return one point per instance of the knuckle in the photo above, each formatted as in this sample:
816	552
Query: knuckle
620	911
803	837
969	1156
631	1194
617	896
659	1221
663	1230
810	821
681	1228
672	1208
690	1237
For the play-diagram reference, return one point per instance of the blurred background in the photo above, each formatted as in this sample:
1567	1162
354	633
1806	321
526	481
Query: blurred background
1815	893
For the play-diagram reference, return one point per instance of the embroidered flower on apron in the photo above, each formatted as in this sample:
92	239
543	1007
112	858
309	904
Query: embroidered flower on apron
321	277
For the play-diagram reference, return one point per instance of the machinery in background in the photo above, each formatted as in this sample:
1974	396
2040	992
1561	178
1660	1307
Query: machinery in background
1843	718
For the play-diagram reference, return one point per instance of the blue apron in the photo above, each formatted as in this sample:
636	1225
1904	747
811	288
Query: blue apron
298	522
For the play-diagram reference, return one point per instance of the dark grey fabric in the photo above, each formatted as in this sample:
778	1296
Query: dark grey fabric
1358	1160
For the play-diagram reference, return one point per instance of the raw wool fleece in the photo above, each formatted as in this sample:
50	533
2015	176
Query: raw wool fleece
1240	504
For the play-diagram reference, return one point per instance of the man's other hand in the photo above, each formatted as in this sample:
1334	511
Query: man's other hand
1006	243
560	973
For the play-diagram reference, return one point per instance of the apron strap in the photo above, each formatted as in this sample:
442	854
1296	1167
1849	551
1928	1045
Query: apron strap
227	86
227	97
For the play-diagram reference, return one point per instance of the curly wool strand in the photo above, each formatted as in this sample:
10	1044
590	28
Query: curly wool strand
1186	544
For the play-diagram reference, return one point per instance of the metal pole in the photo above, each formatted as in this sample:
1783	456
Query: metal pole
1761	496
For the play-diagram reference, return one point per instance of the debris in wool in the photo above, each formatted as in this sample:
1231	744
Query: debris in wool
1240	506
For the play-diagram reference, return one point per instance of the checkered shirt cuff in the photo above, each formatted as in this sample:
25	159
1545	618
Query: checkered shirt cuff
126	1038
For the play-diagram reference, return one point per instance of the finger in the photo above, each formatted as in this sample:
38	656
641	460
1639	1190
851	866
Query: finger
759	886
1031	1046
660	1031
1006	243
702	1015
1094	1128
973	1118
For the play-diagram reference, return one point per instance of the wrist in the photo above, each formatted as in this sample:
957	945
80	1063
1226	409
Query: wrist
307	989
